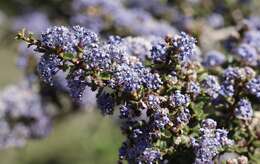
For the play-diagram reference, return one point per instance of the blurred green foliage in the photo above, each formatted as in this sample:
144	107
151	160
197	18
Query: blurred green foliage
79	139
8	70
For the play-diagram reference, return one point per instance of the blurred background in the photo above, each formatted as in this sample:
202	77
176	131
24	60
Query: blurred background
86	136
79	138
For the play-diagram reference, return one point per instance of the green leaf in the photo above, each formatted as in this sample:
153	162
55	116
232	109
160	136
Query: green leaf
161	144
68	56
198	110
255	157
104	75
256	143
148	63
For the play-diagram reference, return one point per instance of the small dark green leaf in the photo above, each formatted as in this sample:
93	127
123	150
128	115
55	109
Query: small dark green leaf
104	76
198	110
68	56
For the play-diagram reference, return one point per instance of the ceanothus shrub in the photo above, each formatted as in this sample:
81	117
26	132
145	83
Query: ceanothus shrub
172	107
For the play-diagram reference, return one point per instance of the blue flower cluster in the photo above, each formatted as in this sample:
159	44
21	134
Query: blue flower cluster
158	52
211	86
132	78
208	145
193	88
77	84
162	87
248	50
106	103
101	15
234	76
138	145
59	37
160	119
153	102
139	46
184	45
125	111
68	40
161	90
149	156
213	58
244	110
253	86
22	116
181	48
247	54
48	67
183	117
178	100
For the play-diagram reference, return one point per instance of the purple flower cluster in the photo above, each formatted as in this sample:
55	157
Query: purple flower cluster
125	111
153	102
149	156
72	42
84	37
136	148
211	86
250	50
227	89
129	77
253	87
48	67
215	20
252	37
22	116
247	54
213	58
68	40
77	84
59	37
183	117
106	103
97	58
35	21
160	119
138	46
184	45
133	77
100	15
208	145
158	52
193	88
243	110
159	88
232	77
178	99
